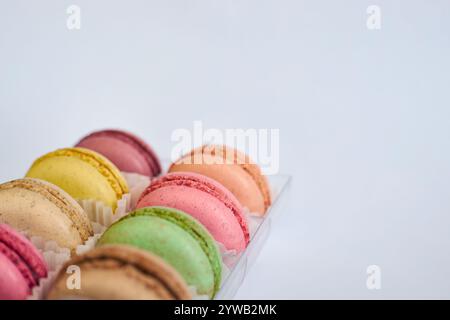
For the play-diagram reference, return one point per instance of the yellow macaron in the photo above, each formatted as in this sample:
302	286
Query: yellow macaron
82	173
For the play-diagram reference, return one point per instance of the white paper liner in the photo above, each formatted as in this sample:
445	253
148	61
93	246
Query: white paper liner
54	257
137	184
53	254
102	214
92	241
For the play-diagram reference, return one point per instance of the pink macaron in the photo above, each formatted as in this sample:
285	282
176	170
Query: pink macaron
21	265
128	152
204	199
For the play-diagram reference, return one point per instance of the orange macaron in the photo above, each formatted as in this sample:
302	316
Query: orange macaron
233	169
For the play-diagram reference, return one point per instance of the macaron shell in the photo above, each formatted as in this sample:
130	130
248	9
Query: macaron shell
84	174
13	285
28	253
20	265
27	205
128	152
206	200
121	273
124	156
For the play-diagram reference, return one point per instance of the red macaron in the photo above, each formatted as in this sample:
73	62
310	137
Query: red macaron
128	152
21	265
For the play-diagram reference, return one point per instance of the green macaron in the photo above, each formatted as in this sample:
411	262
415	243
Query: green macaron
177	238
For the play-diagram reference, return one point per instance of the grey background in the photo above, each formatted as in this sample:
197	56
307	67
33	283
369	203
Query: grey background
364	118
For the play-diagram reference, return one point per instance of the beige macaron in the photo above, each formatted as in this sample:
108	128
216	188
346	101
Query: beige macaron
42	209
118	272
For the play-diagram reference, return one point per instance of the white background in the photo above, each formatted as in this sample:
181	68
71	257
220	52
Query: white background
364	117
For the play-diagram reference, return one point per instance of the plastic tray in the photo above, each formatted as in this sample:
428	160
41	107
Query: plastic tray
280	185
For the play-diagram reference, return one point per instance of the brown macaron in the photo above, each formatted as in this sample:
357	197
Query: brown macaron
234	170
118	272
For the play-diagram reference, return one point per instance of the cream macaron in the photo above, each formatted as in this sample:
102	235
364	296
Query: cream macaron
42	209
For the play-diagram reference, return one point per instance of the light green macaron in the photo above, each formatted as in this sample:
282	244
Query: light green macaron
177	238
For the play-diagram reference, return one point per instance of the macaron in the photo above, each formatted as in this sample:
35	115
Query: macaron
127	151
42	209
206	200
83	173
232	169
177	238
119	272
21	265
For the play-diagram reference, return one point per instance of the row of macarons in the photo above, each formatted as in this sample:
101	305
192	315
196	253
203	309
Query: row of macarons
165	245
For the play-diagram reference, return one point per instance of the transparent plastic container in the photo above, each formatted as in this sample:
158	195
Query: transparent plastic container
280	185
